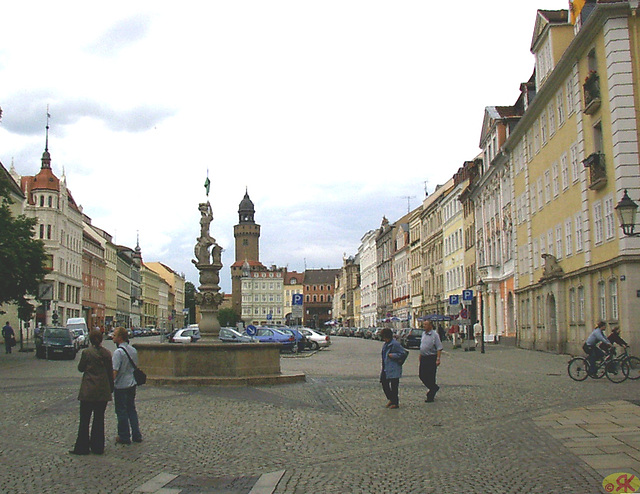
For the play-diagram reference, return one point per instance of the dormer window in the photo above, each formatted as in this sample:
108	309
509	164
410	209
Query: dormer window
41	201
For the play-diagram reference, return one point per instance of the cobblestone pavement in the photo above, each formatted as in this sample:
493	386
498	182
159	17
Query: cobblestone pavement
507	421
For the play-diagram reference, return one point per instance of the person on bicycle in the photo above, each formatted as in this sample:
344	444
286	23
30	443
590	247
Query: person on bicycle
615	337
591	346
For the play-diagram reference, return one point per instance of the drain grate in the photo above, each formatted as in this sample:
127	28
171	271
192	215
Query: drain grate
212	485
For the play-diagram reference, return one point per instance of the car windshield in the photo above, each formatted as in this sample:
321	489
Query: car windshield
56	333
416	332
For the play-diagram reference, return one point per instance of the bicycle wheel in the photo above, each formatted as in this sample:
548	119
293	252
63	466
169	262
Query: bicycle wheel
634	367
617	370
577	368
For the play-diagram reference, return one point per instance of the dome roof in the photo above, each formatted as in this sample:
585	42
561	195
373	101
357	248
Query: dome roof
246	204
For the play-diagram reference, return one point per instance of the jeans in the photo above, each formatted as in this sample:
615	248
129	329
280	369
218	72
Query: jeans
594	354
95	442
125	404
390	388
427	373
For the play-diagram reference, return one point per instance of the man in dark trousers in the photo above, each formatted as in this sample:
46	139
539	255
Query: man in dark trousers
430	350
9	337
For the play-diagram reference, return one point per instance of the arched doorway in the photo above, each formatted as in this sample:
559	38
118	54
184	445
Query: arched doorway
552	343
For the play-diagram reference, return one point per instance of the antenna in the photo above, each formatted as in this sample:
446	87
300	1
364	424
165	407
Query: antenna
408	198
426	192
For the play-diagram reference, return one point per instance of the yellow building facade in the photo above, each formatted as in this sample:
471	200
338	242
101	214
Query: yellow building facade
571	157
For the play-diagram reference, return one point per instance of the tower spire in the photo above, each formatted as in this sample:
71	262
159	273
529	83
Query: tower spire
46	157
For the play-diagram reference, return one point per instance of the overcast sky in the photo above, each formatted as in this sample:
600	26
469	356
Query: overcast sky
332	113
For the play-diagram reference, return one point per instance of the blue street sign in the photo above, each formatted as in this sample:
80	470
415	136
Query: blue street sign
269	316
467	295
296	299
251	330
454	299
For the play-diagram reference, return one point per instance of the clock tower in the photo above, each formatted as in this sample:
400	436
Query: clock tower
247	236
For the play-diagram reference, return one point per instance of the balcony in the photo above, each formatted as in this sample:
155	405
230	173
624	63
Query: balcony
597	171
591	88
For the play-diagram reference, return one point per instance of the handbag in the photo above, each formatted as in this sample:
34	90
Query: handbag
138	374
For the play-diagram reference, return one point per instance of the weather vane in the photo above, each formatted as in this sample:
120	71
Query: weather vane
207	183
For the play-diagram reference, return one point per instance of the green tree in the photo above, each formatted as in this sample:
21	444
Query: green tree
228	317
22	257
190	301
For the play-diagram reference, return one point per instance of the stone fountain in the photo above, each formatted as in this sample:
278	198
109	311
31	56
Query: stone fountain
210	361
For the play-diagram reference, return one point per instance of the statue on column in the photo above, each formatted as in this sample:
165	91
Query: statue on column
209	263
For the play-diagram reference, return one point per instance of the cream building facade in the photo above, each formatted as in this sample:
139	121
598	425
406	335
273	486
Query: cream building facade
368	279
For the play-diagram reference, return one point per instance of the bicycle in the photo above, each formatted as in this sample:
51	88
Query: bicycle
634	364
615	368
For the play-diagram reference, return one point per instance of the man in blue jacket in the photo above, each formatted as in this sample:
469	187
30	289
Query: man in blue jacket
393	356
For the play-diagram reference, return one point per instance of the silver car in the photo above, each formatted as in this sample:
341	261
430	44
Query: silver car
231	335
316	339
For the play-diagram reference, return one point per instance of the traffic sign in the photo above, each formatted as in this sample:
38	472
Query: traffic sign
251	330
296	299
454	299
464	313
467	295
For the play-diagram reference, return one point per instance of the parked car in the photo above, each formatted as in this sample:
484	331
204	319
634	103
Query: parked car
270	335
185	335
56	342
231	335
316	339
412	338
79	338
301	339
78	326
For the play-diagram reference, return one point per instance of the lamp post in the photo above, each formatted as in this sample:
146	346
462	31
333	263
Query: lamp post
627	210
482	287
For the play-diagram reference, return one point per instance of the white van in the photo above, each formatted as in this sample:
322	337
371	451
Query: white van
78	327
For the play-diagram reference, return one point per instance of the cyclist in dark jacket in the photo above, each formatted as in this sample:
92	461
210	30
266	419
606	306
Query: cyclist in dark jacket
591	346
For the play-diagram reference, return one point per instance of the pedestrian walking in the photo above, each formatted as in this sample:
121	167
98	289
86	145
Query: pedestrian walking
477	332
124	393
95	393
9	337
430	351
393	356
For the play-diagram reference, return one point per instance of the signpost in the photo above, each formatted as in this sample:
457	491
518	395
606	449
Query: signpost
296	305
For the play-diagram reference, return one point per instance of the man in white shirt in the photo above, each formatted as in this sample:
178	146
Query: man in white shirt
430	351
124	393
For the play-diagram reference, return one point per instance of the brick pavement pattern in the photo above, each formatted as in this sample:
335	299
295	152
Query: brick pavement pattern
507	421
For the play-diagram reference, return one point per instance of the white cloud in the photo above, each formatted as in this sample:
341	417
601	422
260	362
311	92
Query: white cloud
331	113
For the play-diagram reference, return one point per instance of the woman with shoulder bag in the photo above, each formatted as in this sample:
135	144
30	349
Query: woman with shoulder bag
95	393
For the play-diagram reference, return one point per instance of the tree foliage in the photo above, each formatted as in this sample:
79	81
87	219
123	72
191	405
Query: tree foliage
228	317
22	257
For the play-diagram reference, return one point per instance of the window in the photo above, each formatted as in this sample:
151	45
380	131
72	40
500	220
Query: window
568	237
550	243
572	305
543	128
609	224
598	225
556	183
559	241
564	167
560	106
41	201
579	232
540	194
613	297
581	303
570	96
547	186
552	120
536	254
602	301
41	231
534	198
575	163
536	136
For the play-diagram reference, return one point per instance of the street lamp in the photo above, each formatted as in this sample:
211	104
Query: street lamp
627	210
482	286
